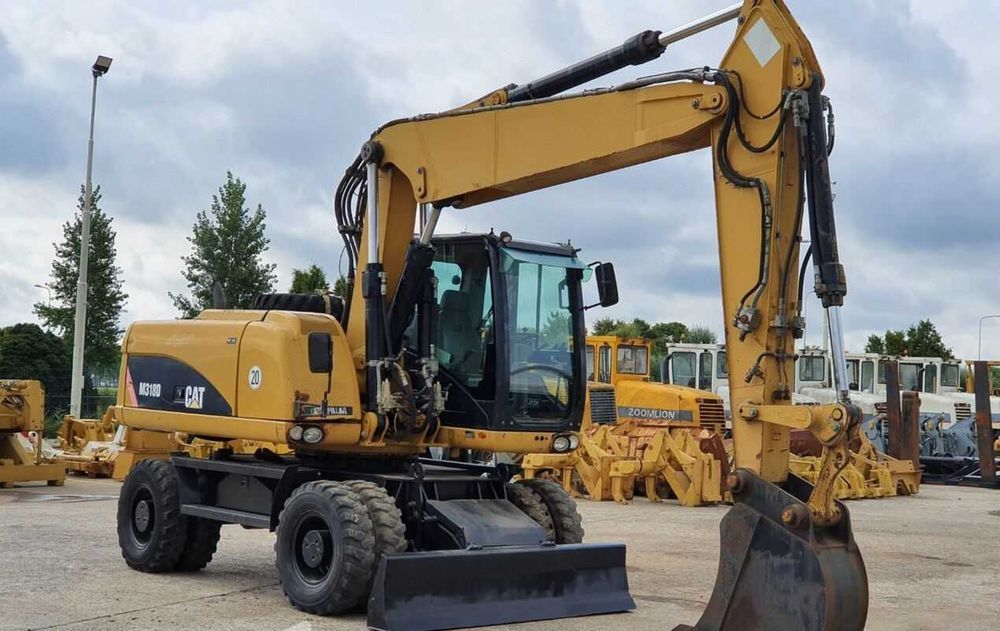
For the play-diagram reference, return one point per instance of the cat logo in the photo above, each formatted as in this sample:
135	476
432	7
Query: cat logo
194	397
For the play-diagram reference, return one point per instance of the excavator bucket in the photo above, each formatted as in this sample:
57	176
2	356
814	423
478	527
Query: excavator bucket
450	589
789	573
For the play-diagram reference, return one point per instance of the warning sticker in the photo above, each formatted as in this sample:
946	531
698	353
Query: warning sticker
761	42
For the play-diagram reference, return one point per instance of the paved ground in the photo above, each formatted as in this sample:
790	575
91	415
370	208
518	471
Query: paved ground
932	561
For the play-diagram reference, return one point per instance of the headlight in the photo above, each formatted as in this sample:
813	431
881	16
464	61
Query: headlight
574	441
561	444
295	433
312	435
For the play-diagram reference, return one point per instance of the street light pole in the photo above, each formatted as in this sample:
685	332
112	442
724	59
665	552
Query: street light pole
985	317
99	68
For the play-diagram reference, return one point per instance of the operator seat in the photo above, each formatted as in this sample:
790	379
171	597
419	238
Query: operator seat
458	333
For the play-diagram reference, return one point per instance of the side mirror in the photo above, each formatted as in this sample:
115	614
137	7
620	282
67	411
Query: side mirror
607	284
320	352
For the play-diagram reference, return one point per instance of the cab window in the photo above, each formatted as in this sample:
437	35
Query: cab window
852	374
867	376
705	371
722	366
604	364
930	378
812	368
590	362
682	369
632	360
909	376
949	375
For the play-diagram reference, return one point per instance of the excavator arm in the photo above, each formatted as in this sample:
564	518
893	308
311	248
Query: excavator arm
761	112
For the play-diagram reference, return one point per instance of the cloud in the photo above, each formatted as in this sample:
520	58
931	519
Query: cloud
284	96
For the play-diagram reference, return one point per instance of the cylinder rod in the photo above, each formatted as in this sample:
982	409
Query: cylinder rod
837	355
701	24
427	230
371	220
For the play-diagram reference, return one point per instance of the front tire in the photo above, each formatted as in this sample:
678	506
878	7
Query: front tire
566	518
324	548
521	495
152	532
202	540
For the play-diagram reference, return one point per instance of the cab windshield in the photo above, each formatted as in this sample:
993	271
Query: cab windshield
541	369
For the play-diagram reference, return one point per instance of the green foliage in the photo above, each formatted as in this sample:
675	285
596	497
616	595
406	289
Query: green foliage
228	244
105	297
920	340
309	281
557	330
875	344
605	326
340	287
28	352
700	335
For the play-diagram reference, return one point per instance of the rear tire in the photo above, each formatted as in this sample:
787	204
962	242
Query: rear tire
325	548
530	503
151	531
202	540
566	518
387	525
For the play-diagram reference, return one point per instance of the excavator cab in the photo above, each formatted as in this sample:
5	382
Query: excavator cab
510	321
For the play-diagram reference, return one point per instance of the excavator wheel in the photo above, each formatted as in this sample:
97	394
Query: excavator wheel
325	548
202	539
387	524
566	520
152	533
531	504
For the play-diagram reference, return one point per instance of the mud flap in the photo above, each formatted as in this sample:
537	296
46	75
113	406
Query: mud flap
449	589
777	576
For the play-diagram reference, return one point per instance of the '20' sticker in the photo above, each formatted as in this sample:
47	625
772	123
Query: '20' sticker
254	378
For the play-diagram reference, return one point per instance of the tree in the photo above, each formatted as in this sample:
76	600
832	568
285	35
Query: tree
340	287
667	332
606	326
28	352
700	335
920	340
875	344
557	330
228	245
105	297
309	281
923	340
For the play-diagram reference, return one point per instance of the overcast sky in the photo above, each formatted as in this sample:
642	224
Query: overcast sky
284	93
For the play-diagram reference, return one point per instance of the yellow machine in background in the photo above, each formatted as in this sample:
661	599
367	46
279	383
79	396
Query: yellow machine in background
22	409
869	473
659	437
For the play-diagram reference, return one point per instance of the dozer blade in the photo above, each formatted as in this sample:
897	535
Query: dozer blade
468	588
774	575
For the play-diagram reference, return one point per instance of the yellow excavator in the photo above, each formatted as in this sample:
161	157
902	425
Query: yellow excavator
361	390
639	434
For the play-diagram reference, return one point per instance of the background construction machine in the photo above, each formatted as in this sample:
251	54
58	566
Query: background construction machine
358	399
22	411
657	438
